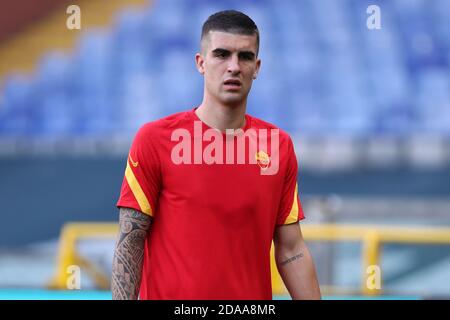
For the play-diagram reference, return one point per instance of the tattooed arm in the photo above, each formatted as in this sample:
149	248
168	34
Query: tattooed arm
129	254
295	263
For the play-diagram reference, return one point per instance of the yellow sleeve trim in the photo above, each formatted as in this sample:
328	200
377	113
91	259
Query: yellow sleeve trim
137	191
293	215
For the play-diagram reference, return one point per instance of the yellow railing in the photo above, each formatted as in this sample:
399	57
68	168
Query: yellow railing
371	236
67	254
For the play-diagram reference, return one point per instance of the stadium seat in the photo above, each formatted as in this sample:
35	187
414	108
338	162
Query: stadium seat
322	70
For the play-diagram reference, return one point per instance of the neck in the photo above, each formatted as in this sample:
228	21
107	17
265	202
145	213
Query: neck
221	117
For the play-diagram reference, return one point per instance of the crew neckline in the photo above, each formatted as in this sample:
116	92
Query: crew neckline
196	117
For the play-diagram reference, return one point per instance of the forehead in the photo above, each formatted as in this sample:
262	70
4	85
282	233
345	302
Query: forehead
231	41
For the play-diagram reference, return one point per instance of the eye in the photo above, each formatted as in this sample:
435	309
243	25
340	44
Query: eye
247	56
221	54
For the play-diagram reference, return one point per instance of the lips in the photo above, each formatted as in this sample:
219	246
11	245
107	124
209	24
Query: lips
232	83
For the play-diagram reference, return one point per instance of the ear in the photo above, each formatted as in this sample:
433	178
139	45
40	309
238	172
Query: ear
200	63
258	66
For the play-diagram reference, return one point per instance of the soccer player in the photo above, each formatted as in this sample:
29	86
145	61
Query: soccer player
199	209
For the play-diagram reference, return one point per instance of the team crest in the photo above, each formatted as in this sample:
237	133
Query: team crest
262	159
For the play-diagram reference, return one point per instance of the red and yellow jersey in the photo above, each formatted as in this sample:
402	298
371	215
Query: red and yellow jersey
214	215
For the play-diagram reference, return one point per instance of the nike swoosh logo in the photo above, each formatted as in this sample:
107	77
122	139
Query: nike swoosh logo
134	164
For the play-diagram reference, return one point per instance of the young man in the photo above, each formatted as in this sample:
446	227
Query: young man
201	202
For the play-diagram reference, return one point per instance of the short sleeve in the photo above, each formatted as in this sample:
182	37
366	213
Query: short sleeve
290	209
141	183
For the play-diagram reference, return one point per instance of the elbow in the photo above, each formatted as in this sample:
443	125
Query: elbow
286	251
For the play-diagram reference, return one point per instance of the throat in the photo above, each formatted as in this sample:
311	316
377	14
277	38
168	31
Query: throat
222	118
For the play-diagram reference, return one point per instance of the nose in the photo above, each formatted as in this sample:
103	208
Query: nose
233	65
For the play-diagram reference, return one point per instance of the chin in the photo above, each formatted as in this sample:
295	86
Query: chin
233	99
232	102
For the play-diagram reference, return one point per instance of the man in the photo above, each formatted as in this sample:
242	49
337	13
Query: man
199	209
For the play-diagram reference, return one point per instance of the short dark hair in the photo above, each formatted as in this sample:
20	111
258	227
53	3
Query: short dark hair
231	21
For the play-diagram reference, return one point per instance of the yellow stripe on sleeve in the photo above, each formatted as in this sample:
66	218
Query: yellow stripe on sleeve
137	191
293	215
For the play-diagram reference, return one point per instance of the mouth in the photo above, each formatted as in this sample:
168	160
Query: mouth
232	84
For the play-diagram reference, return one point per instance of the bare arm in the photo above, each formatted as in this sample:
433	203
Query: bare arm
295	263
129	254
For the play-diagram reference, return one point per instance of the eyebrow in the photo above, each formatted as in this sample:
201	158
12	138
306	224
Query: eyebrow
225	51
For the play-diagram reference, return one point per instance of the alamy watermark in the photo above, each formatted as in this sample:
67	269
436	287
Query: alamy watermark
73	21
73	281
373	21
256	149
373	281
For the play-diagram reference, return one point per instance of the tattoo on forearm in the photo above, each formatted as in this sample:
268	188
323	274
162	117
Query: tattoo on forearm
129	254
298	256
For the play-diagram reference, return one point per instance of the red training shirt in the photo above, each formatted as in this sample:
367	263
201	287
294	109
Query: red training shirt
213	223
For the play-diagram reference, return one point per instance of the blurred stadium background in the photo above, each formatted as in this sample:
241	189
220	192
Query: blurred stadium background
369	111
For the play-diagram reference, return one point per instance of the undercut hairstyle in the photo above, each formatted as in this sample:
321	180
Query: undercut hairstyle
231	21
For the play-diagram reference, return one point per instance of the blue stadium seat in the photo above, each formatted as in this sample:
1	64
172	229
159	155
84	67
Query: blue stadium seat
323	71
16	106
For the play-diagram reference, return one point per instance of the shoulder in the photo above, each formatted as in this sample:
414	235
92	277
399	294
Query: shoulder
158	128
257	123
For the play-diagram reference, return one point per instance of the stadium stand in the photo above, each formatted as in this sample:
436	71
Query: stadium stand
324	71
